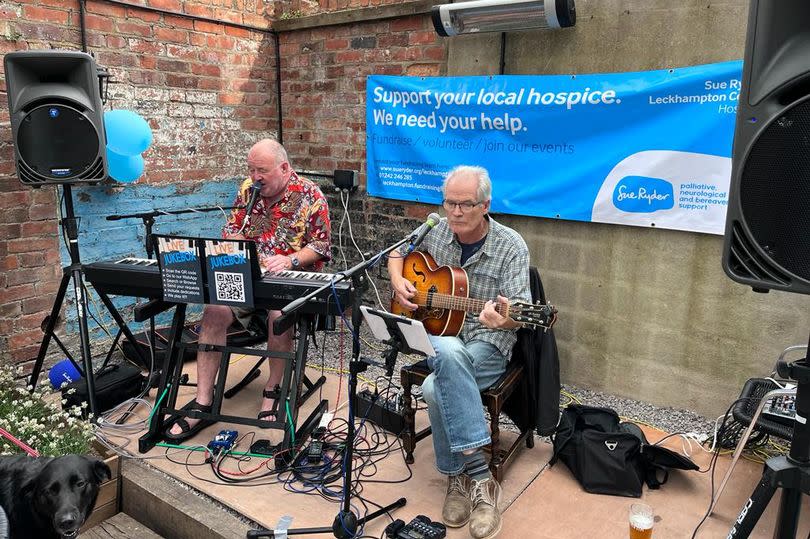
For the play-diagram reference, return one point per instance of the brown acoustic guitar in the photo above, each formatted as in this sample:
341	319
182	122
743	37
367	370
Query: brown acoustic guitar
442	294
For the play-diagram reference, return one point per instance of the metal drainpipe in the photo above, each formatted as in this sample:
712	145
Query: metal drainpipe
82	25
278	89
502	65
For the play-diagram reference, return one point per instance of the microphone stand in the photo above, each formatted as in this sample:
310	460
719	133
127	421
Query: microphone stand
149	220
346	523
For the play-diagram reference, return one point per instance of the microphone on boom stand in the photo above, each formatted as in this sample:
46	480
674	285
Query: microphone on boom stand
419	234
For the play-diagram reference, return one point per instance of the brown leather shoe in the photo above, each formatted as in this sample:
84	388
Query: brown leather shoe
485	518
457	503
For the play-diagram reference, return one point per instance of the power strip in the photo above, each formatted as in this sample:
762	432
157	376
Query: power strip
388	414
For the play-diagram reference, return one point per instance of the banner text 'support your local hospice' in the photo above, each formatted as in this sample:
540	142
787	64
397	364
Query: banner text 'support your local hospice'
647	149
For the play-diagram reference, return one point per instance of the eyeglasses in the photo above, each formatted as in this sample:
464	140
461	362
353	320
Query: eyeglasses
463	206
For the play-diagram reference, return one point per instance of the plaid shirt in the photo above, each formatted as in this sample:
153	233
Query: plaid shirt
500	266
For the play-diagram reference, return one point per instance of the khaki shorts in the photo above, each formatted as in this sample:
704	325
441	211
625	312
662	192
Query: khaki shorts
253	320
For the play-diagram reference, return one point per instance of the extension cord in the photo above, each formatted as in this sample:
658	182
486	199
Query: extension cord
388	414
699	437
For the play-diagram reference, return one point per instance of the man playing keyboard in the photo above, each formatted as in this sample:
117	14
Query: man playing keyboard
289	221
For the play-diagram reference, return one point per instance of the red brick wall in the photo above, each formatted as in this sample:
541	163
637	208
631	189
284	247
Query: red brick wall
323	82
284	9
323	74
208	91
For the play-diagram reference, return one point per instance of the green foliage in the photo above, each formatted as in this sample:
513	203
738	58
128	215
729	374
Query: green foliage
39	421
294	14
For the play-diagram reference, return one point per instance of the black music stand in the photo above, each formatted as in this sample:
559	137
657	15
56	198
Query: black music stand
791	473
401	334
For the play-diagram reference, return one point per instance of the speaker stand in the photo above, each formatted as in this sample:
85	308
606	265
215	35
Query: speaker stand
70	230
790	473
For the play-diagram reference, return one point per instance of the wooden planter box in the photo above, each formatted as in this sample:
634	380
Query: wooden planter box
108	502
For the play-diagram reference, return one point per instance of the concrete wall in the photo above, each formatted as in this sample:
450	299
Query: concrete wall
644	313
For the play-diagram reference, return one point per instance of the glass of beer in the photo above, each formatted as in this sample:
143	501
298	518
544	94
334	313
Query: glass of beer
641	521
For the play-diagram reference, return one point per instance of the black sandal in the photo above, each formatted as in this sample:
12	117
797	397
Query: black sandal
273	413
187	431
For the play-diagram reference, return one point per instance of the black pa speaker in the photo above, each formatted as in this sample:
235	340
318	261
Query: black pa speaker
767	241
57	122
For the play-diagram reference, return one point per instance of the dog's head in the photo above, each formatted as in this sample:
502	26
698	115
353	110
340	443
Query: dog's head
64	491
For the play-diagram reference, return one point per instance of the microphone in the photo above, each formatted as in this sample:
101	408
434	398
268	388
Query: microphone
255	190
420	233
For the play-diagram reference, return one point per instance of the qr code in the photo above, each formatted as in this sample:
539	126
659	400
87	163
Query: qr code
230	286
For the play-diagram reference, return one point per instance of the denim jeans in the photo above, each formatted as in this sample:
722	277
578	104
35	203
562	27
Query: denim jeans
453	395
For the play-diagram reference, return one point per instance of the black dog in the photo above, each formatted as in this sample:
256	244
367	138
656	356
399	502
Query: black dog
49	498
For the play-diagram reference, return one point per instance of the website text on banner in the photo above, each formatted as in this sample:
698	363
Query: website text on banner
647	149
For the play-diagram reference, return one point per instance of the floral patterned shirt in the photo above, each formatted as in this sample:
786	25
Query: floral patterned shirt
299	219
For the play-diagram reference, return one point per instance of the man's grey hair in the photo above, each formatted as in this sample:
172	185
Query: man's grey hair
484	191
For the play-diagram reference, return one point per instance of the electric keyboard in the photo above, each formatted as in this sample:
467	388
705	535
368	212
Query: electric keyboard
140	278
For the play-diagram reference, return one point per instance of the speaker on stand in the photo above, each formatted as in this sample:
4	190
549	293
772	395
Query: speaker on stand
57	126
767	240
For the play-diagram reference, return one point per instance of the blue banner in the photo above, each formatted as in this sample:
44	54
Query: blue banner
647	149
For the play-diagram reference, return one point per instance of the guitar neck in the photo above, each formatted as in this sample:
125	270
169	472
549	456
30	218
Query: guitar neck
455	303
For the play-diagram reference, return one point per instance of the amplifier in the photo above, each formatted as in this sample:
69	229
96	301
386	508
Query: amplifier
388	414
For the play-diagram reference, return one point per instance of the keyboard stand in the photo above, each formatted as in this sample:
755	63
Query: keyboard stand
289	391
150	309
254	373
122	328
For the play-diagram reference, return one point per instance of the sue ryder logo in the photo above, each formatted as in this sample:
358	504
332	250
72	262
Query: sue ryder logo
642	194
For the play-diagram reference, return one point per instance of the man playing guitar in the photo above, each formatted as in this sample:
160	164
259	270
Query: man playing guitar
496	259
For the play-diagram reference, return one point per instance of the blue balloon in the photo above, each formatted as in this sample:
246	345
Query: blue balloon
127	132
124	168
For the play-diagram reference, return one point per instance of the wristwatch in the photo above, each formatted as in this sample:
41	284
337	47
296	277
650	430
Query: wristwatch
295	262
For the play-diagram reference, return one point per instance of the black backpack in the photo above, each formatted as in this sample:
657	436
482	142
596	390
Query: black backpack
610	457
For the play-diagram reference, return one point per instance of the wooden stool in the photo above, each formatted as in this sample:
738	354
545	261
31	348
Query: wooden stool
492	398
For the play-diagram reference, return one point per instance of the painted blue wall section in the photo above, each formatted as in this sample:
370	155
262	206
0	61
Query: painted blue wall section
103	240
